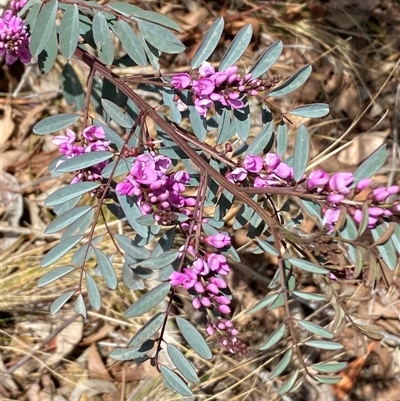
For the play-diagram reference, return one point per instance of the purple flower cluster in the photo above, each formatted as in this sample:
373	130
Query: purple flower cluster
14	35
158	192
203	278
93	141
226	87
336	188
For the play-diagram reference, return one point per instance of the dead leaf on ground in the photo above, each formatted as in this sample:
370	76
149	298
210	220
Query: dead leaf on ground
96	367
93	387
362	147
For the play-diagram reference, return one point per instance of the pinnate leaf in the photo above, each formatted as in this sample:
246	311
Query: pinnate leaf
60	250
148	301
106	269
54	275
43	27
69	31
237	47
175	382
93	292
60	302
209	43
182	364
55	123
293	83
193	338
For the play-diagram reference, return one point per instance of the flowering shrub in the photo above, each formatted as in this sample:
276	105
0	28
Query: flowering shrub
144	180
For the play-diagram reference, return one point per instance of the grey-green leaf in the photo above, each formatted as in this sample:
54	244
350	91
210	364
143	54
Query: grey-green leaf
148	301
160	37
83	161
329	367
289	384
267	247
106	269
69	192
72	88
80	306
301	153
262	139
60	250
148	330
182	364
157	263
371	166
281	138
102	38
131	43
267	59
265	302
282	365
55	123
54	275
175	382
322	344
274	338
134	251
67	218
293	83
386	250
193	338
60	301
48	55
224	127
133	11
209	43
308	266
43	27
310	296
93	292
314	110
69	31
237	47
315	329
115	112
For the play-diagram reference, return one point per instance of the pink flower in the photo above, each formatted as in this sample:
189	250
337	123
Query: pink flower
218	263
218	240
238	174
206	69
252	163
201	105
93	133
340	182
181	81
317	179
14	39
187	280
203	87
272	161
331	216
364	183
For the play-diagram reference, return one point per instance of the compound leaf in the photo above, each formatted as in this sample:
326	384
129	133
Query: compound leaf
193	338
148	301
209	43
182	364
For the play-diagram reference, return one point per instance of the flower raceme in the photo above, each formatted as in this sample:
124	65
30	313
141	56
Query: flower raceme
225	87
159	192
14	35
